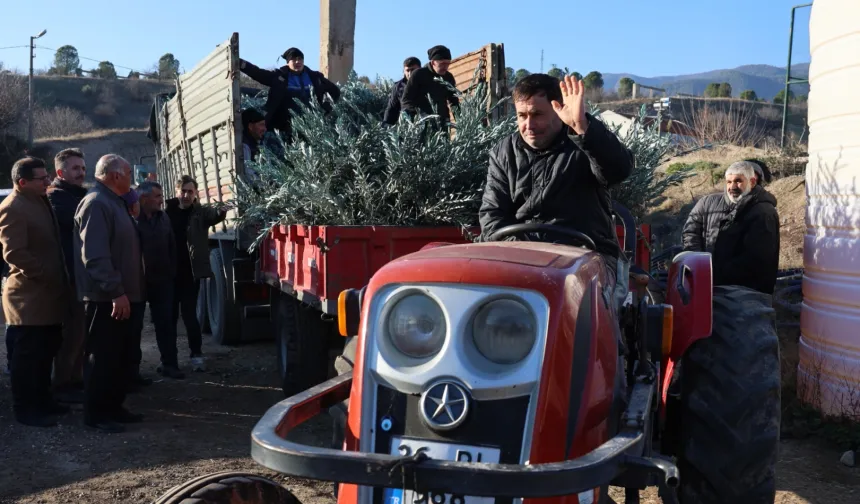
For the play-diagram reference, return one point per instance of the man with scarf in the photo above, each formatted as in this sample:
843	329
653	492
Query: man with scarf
287	85
434	80
740	228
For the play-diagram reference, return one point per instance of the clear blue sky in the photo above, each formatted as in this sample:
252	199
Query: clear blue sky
647	38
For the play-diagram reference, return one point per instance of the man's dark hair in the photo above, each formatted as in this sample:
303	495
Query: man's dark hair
186	179
537	85
23	168
410	61
147	186
65	154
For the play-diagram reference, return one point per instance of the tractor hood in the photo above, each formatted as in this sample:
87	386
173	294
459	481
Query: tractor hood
531	254
513	264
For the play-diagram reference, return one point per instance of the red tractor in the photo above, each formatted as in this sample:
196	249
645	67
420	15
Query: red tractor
507	370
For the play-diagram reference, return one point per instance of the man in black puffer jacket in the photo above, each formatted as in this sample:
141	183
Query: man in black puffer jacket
434	81
64	194
293	81
557	168
740	228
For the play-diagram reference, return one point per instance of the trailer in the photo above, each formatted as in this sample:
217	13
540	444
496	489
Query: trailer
286	289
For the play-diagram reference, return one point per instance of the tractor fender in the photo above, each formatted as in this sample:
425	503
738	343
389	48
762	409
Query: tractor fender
689	289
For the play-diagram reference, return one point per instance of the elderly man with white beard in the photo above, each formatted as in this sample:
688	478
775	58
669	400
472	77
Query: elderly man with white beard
740	228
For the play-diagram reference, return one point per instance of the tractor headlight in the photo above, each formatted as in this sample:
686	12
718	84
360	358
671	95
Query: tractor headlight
504	331
416	326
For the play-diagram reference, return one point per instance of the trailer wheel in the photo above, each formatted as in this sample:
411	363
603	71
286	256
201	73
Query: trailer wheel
302	345
223	319
202	308
228	487
730	404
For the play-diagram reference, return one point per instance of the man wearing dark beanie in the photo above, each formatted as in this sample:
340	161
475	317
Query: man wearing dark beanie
433	80
287	85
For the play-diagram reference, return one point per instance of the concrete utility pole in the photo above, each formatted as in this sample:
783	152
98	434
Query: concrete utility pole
337	38
30	93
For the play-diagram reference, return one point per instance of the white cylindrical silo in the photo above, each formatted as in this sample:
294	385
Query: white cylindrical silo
829	369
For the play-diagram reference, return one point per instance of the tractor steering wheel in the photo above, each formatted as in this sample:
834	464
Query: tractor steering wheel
517	229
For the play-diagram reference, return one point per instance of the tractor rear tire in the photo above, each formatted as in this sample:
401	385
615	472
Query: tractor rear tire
228	487
730	404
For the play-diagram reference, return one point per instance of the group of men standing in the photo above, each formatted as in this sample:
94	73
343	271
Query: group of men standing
82	266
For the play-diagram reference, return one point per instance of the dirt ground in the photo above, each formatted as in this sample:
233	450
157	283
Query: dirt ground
202	425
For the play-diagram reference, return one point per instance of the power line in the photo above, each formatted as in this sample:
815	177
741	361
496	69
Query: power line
15	47
98	61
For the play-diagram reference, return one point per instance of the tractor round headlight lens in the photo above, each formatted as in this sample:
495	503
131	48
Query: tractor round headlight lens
416	326
504	331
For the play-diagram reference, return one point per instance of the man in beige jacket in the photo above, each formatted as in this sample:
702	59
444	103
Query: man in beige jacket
36	295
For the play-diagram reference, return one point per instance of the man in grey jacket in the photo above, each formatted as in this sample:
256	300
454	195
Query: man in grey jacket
110	282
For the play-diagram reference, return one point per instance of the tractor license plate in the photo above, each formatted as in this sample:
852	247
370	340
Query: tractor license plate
440	451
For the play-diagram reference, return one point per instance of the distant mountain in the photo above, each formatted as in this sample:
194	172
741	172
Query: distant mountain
765	80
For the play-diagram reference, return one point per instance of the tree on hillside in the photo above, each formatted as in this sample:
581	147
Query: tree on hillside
780	97
105	70
521	74
168	67
509	75
576	75
749	95
66	61
625	87
556	72
725	90
712	90
133	75
594	80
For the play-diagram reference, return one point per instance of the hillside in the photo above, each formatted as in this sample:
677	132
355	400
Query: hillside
109	104
765	80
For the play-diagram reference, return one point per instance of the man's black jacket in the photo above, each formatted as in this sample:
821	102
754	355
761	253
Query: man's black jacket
746	251
423	82
64	198
565	184
703	224
158	245
392	111
280	99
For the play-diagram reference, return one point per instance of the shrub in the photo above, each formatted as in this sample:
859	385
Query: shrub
704	166
59	122
678	167
88	90
13	99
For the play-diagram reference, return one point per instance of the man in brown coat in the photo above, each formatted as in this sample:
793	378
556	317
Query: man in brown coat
36	295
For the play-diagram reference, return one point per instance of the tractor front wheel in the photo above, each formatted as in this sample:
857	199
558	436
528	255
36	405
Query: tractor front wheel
228	487
730	404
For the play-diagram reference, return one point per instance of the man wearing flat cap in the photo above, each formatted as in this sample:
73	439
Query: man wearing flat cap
288	85
431	79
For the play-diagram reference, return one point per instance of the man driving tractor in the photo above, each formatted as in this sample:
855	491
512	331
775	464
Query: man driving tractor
557	168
